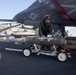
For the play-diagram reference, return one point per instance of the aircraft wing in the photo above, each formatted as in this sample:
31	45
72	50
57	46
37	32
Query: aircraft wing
7	20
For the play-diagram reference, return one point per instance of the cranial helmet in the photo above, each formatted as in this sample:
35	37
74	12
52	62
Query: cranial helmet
47	17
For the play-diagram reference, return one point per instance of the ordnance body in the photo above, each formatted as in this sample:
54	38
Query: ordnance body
45	41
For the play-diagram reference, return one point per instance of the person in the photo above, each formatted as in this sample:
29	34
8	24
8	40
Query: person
45	28
64	33
62	29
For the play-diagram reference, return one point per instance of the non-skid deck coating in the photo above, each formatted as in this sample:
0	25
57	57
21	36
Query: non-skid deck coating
14	63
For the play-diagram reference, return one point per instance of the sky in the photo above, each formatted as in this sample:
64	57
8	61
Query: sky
9	8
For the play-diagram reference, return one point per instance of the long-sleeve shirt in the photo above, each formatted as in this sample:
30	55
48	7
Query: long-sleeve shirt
45	29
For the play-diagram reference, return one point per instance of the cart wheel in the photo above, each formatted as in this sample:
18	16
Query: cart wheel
27	52
62	57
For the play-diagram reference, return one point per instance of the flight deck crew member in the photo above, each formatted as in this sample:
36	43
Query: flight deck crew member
45	28
64	32
62	29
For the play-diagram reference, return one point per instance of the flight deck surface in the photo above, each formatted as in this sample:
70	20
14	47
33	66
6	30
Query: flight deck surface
15	63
